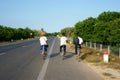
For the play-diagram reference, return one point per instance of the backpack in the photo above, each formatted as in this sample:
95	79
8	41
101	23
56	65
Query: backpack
76	41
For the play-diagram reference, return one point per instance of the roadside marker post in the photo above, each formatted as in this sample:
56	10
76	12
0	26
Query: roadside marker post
105	56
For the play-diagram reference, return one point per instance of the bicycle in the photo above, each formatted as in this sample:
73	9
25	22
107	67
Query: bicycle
44	52
63	52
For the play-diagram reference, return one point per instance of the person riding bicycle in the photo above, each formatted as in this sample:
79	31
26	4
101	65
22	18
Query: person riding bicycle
63	41
43	43
77	42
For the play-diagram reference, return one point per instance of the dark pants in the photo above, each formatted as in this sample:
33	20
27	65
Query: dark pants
64	48
76	47
44	47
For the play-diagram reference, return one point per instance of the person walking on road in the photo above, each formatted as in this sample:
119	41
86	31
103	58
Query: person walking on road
63	41
43	43
80	41
77	42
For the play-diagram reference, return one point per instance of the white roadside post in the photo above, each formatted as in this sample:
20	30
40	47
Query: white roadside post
100	47
105	56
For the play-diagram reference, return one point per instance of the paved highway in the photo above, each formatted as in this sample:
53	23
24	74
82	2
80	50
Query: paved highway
22	61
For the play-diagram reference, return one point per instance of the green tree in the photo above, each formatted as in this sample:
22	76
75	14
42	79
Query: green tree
100	34
108	16
85	28
114	31
67	31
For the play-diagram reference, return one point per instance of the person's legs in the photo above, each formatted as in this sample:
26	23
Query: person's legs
64	48
45	49
80	49
75	49
60	49
42	49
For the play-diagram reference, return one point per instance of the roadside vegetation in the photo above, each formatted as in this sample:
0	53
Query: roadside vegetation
9	34
96	57
104	29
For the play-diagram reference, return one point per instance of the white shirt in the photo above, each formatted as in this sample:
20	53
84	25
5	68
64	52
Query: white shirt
43	40
80	40
63	40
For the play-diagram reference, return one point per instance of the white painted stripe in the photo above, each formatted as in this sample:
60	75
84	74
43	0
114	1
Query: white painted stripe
45	65
24	46
2	54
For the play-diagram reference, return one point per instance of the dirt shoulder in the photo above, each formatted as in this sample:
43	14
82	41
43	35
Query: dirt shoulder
105	72
94	59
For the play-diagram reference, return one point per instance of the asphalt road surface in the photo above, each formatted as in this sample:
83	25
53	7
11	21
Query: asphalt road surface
23	61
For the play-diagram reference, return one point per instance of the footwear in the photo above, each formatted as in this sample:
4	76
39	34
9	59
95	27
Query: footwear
75	54
61	53
45	53
64	53
42	53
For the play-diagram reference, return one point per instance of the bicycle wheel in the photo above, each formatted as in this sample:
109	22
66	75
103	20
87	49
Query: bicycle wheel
63	53
44	55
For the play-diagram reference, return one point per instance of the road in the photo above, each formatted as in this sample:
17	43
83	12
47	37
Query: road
24	62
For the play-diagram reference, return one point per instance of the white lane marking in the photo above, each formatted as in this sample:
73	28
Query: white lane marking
45	65
24	46
2	54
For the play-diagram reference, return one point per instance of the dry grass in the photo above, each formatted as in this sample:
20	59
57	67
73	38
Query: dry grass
94	59
95	56
107	74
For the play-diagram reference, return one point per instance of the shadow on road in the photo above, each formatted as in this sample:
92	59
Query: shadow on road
54	55
69	55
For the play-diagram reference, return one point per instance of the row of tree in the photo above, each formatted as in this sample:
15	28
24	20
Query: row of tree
8	33
103	29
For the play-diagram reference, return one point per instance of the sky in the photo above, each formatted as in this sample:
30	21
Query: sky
52	15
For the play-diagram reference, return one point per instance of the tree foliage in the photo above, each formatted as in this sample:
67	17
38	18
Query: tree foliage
67	31
108	16
103	29
8	33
